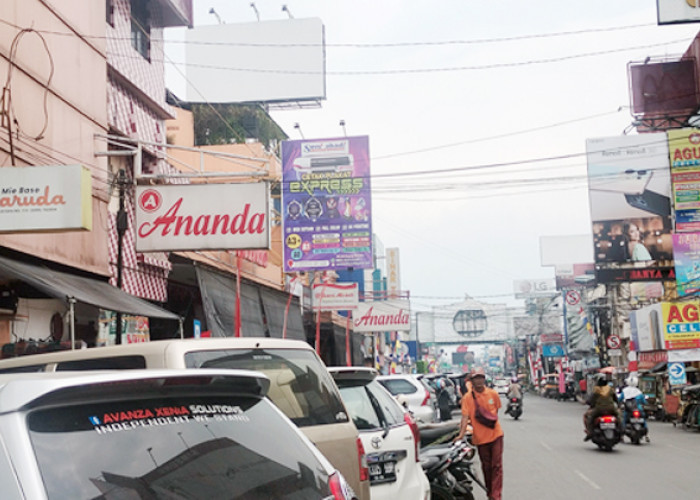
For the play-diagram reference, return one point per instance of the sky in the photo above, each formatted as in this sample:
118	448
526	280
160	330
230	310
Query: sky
479	148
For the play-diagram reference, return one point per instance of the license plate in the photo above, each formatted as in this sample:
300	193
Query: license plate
383	472
637	420
607	425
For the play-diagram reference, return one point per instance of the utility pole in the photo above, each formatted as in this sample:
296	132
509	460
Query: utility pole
122	225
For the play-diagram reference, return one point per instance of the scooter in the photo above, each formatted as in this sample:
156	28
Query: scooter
449	470
634	425
606	432
515	407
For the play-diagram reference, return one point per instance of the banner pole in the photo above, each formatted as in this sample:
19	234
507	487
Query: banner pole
238	295
348	356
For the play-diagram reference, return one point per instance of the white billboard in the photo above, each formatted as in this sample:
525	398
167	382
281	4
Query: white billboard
49	198
382	316
677	11
268	61
335	296
202	217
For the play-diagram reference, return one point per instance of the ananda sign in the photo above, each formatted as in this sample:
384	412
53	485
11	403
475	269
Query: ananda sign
382	316
202	217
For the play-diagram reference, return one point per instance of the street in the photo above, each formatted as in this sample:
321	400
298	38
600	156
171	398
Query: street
545	458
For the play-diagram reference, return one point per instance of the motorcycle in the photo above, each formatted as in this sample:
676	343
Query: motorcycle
449	470
634	424
515	407
606	432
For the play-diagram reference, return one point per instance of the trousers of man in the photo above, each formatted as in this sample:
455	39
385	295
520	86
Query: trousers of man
491	457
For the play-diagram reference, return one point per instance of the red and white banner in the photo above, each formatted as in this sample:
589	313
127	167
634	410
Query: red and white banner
382	316
335	297
202	217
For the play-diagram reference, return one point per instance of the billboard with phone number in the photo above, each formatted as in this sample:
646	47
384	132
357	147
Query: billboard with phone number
326	204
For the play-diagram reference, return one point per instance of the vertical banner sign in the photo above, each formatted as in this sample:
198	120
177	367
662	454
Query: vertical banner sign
326	204
684	151
686	258
393	273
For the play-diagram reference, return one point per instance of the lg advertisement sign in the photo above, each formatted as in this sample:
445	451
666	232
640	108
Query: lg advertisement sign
202	217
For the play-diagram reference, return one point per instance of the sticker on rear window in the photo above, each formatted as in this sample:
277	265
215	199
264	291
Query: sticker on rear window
126	420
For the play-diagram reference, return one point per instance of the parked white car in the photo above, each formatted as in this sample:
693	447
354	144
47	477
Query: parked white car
389	434
154	434
417	395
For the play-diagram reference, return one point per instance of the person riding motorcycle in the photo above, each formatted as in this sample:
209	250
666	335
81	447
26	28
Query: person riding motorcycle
631	397
601	402
515	390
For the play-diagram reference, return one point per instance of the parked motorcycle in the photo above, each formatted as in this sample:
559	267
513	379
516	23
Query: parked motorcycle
606	432
635	427
515	407
449	470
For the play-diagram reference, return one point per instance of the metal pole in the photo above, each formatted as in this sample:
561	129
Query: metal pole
182	330
71	309
122	225
237	323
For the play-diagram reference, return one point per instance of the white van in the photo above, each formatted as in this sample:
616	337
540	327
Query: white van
300	384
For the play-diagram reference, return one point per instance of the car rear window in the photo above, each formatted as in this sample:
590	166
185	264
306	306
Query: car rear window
300	385
398	386
233	447
370	406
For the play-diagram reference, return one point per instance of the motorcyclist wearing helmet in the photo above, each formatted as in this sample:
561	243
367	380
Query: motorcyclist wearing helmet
601	402
515	390
632	398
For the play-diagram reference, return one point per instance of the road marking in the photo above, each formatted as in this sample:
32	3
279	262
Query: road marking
545	446
583	476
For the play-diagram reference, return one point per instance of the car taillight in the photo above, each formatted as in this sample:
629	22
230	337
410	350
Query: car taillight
336	487
414	430
364	470
636	414
427	398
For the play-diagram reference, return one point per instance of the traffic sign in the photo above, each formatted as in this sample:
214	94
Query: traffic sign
573	297
613	342
676	374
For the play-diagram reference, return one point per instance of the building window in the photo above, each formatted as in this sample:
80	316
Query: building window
141	28
470	322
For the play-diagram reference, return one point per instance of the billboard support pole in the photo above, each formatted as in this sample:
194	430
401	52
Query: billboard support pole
237	323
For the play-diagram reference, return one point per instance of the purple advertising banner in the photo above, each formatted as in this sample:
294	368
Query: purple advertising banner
326	204
686	250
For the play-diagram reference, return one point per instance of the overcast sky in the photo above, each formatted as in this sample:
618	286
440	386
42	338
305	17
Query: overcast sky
519	81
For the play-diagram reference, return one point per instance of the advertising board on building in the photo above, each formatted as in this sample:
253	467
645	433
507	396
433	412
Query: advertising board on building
326	204
528	288
382	316
202	217
48	198
630	201
681	324
686	257
684	155
677	11
335	296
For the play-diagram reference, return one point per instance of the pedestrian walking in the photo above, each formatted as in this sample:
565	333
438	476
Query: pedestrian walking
480	410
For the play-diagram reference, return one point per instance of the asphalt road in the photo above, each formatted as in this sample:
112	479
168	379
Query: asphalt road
545	458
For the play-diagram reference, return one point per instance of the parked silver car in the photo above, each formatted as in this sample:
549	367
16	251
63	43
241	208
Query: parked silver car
416	394
154	434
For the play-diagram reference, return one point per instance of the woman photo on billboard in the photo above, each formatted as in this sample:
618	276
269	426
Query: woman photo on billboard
635	248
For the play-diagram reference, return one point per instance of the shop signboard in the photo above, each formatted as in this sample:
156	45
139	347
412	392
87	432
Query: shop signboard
335	296
676	11
326	204
553	350
382	316
393	273
681	324
629	190
202	217
684	155
46	198
686	258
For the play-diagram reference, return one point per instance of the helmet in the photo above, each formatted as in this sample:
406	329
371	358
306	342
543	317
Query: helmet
632	381
514	379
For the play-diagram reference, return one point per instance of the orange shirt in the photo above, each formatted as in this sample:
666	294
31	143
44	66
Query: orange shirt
489	400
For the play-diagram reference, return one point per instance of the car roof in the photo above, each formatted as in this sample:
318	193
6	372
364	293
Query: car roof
354	373
141	348
23	390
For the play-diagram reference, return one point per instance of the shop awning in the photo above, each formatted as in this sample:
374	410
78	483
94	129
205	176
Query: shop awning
67	286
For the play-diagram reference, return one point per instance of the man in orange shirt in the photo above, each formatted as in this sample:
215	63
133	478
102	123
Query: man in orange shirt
489	441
